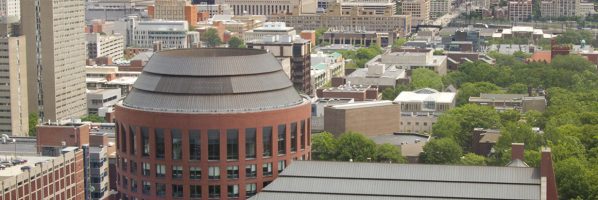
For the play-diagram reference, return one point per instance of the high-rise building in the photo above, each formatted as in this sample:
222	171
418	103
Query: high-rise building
14	114
209	124
177	10
55	57
418	9
102	45
270	7
561	8
520	10
10	9
438	8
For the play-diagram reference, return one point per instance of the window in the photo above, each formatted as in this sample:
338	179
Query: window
133	185
213	144
124	138
160	189
132	140
266	183
214	191
250	189
195	172
146	169
267	169
250	142
159	135
233	191
282	145
147	187
194	145
293	136
195	191
214	173
177	171
125	182
281	165
177	190
250	171
267	140
232	172
177	144
145	141
302	134
160	170
232	144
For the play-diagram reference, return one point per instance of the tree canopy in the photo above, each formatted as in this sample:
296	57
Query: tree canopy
211	38
441	151
236	42
353	146
425	78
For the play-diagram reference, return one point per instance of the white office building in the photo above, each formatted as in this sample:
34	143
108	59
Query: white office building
171	34
101	45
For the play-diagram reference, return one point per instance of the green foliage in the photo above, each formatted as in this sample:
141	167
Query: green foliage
211	38
474	90
459	123
319	32
509	116
438	52
573	178
441	151
392	93
399	42
360	56
353	146
518	132
389	153
425	78
33	121
473	159
575	37
517	88
93	118
236	42
323	146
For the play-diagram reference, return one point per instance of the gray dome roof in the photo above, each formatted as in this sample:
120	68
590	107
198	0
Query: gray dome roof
216	80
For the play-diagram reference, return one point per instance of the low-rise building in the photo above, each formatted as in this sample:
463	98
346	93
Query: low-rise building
503	102
99	101
356	38
102	45
483	140
110	77
520	10
170	34
410	59
369	118
378	75
214	9
420	109
456	58
317	110
412	145
269	28
348	91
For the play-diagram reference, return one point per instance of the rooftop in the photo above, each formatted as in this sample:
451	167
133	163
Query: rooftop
16	169
426	94
390	72
362	105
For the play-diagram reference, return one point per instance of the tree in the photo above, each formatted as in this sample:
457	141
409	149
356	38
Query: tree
389	153
211	38
459	123
425	78
319	32
572	177
441	151
33	121
438	52
399	42
473	159
518	132
474	90
517	88
236	42
392	93
356	147
323	146
93	118
509	116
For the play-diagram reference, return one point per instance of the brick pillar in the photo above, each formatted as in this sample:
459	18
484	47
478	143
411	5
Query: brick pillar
546	171
517	150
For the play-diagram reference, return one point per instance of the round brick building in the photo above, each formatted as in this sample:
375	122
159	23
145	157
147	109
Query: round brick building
209	123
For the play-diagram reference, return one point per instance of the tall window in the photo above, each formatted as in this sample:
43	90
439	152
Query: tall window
250	171
177	190
177	144
159	135
160	189
232	144
177	171
195	191
145	141
147	187
267	140
133	185
302	134
282	144
213	144
133	167
146	169
160	170
232	172
132	140
250	141
233	191
214	173
267	169
194	145
250	189
293	136
124	138
281	165
195	172
214	191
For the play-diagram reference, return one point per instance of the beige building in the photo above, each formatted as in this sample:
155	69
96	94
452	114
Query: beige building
102	45
173	10
14	114
369	118
420	109
438	8
55	57
270	7
418	9
561	8
520	10
371	7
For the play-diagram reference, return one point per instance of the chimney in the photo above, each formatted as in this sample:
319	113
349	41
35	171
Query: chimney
547	174
517	150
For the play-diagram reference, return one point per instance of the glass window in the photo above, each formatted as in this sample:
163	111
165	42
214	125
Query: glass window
282	144
213	144
302	134
267	169
147	187
195	191
194	145
159	135
177	144
293	136
195	172
125	182
250	142
132	140
214	173
177	171
124	138
133	167
267	140
250	171
160	189
250	189
232	172
233	191
160	170
133	185
232	144
146	169
145	141
281	165
214	191
177	190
